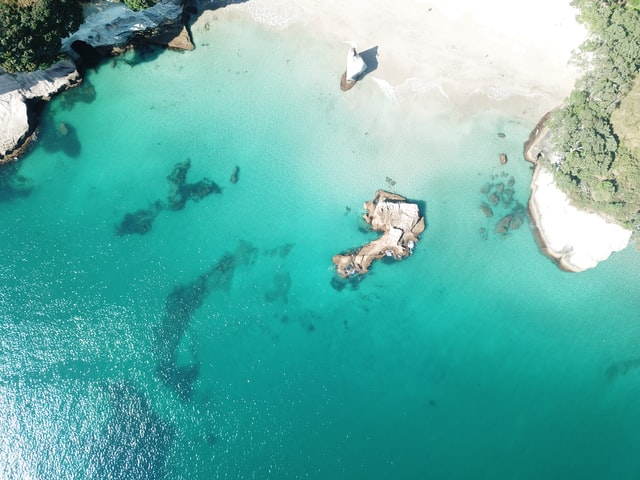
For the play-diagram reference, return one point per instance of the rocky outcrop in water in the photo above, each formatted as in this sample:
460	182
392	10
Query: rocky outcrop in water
20	95
401	224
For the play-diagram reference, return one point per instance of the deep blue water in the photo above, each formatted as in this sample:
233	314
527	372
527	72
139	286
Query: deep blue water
189	328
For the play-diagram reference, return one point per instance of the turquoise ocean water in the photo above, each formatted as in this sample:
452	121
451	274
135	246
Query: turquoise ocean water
215	345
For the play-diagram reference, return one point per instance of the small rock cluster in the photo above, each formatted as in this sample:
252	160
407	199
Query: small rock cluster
499	202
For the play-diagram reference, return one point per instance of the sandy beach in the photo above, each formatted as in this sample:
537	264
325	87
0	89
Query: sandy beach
466	56
489	54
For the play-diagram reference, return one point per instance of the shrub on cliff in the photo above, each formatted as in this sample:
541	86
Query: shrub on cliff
139	4
31	31
599	171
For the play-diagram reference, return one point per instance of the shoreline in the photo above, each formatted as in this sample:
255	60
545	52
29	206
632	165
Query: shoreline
463	58
539	234
428	54
468	56
575	239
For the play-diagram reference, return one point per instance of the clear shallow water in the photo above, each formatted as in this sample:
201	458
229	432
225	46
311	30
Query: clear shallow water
214	345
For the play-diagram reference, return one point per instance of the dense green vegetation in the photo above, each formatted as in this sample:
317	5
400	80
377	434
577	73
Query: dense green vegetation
139	4
31	31
600	169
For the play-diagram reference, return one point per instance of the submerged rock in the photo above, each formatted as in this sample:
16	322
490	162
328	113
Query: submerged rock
486	209
401	223
181	191
234	174
180	307
502	227
63	138
139	222
515	222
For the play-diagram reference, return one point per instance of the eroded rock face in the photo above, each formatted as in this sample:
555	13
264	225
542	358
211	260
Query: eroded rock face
111	26
401	224
114	25
16	91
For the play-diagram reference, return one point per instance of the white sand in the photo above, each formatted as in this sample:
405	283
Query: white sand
469	55
578	240
476	54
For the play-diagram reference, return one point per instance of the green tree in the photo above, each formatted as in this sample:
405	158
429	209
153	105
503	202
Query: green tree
31	34
139	4
598	171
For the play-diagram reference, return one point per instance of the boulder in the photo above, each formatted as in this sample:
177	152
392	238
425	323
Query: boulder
502	227
486	209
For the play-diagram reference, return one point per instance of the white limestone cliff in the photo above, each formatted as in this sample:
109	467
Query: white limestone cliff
17	89
576	239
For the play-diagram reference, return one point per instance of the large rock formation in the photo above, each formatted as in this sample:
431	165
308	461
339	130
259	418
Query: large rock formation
109	28
112	26
575	239
401	223
20	91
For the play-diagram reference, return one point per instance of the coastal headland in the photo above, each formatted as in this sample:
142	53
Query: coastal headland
109	28
575	239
